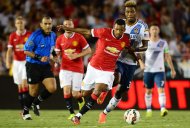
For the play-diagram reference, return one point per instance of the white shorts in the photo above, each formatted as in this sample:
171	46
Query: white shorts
70	78
94	76
19	71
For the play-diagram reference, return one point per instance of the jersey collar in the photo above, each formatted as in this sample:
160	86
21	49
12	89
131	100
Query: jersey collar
70	36
114	36
22	33
131	24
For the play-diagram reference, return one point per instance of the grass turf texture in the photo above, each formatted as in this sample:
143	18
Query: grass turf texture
58	119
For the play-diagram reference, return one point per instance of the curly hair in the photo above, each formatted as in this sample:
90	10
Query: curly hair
130	3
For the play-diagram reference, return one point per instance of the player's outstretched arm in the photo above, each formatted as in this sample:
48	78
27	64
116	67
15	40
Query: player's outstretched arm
169	61
83	31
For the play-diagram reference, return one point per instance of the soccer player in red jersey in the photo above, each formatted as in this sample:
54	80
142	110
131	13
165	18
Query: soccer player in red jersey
16	42
72	47
100	70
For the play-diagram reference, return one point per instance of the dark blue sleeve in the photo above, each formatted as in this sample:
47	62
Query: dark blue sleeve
30	43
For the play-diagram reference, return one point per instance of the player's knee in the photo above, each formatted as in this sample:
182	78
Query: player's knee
148	91
52	89
160	90
97	92
86	93
117	79
33	93
76	95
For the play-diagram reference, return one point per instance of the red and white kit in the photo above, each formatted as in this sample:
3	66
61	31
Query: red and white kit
71	70
102	65
16	42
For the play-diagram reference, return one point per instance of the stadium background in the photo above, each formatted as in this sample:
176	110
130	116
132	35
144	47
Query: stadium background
172	16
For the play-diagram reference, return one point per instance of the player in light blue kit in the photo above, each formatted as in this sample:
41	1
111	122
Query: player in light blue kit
154	69
127	62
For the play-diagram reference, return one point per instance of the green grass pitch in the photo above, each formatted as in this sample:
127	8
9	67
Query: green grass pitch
58	119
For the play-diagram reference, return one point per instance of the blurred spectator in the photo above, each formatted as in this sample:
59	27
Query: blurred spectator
185	63
173	16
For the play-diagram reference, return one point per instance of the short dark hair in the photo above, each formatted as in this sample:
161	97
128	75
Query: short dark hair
19	18
154	23
47	17
120	22
130	3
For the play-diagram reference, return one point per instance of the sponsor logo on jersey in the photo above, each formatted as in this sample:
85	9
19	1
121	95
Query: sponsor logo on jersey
69	51
112	50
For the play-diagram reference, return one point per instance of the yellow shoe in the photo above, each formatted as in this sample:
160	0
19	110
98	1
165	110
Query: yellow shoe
71	116
81	104
149	114
164	112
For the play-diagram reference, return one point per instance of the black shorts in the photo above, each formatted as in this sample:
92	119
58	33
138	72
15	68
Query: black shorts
37	73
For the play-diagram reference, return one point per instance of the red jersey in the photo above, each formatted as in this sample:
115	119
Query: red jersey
17	42
74	44
108	49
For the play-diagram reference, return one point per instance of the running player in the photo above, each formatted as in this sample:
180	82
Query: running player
72	47
127	62
100	70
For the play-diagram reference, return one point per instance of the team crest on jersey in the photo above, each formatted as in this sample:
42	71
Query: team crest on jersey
122	44
25	39
136	29
75	43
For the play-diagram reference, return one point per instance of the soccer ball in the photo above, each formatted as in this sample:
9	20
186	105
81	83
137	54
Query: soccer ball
132	116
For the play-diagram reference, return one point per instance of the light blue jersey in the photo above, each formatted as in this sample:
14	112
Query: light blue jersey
40	44
138	32
154	56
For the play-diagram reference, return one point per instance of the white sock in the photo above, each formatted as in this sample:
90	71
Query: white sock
162	100
148	101
111	106
79	115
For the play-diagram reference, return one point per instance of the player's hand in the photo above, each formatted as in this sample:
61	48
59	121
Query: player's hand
44	59
173	73
59	27
72	56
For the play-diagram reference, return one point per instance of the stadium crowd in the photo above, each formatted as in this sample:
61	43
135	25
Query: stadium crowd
173	17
